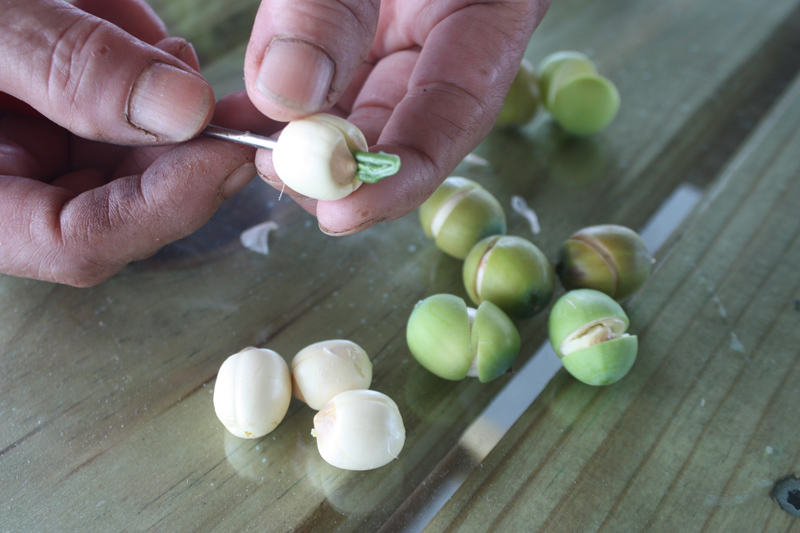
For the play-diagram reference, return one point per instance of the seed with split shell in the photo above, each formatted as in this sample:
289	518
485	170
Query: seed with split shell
553	63
522	100
581	100
324	369
454	341
252	392
512	273
359	430
588	331
459	214
608	258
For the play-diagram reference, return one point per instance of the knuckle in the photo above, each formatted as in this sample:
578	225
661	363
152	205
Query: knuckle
80	271
324	22
473	110
89	252
362	12
75	55
71	264
344	14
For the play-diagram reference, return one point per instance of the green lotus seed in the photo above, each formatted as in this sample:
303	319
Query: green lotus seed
459	214
608	258
582	101
586	104
512	273
454	341
588	331
521	101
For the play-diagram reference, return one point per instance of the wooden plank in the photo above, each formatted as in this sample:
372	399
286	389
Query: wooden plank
699	432
106	406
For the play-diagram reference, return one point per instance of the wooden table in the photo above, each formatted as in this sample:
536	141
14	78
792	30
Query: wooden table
106	416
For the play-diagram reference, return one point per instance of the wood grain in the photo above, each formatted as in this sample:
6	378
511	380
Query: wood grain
106	420
700	431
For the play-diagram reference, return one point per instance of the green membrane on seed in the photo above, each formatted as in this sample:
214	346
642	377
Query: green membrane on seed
476	216
495	341
587	330
512	273
604	363
454	341
438	333
459	214
580	266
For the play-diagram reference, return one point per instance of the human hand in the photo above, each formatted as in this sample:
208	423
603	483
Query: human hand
423	79
76	82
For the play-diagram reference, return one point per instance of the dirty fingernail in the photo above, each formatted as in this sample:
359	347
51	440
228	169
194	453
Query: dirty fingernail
189	56
238	179
360	227
296	74
169	103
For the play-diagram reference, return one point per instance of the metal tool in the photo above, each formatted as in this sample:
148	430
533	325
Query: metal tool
241	137
371	166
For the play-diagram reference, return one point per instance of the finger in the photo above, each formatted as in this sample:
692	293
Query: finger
94	79
303	54
237	111
134	16
268	175
9	104
49	233
380	92
33	147
180	49
234	111
81	181
346	101
87	153
454	94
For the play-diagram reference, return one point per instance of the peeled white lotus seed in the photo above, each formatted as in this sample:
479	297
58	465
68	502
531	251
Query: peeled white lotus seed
359	430
324	369
252	392
314	156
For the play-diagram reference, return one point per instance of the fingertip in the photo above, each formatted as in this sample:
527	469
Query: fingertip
302	55
238	179
181	49
188	55
349	215
369	205
266	171
351	230
389	199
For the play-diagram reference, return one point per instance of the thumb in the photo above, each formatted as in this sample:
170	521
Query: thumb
95	79
303	54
